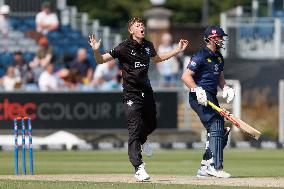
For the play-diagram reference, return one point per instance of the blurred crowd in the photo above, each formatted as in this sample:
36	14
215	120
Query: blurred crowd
75	71
43	72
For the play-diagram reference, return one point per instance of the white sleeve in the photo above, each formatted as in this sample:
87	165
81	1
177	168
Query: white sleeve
42	82
54	18
99	72
38	18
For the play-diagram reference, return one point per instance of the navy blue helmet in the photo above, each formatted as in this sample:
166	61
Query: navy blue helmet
212	31
215	31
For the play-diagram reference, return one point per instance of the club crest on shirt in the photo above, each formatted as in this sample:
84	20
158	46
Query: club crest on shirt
209	60
147	50
220	59
192	63
133	52
129	102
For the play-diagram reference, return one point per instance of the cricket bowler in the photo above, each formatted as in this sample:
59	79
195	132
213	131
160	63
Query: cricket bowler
203	75
134	56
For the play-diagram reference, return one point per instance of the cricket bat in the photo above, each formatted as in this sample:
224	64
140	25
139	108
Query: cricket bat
236	121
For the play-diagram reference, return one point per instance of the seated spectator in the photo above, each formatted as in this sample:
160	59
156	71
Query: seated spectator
10	81
70	79
4	20
42	58
23	71
48	80
106	76
21	67
169	69
81	63
89	77
46	21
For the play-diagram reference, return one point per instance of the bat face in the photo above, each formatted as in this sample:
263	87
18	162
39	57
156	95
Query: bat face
247	128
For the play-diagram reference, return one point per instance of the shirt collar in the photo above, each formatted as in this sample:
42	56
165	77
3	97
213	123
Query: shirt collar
135	43
209	51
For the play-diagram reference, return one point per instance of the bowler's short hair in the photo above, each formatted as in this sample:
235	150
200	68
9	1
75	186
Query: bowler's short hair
133	21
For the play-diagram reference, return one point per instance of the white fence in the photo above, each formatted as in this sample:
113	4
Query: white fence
80	21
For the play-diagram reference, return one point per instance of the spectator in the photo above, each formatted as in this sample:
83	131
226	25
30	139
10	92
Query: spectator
4	21
170	68
106	76
42	58
10	81
81	62
47	80
21	67
70	79
23	71
46	21
89	77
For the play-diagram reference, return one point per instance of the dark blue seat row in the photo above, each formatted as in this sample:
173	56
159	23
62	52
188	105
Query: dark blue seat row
23	24
64	41
6	59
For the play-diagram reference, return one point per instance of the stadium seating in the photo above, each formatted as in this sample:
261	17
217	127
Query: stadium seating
64	41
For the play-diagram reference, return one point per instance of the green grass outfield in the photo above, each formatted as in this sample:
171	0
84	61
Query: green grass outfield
240	163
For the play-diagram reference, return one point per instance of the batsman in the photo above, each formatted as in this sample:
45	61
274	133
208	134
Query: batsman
203	75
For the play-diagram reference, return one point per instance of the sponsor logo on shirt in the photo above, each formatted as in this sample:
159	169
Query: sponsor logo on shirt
216	69
139	65
209	60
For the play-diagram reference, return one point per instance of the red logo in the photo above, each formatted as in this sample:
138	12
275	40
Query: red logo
11	110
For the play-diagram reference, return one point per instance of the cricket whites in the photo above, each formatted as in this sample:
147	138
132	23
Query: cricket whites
236	121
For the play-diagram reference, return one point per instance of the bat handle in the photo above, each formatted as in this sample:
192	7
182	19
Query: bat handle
214	106
224	113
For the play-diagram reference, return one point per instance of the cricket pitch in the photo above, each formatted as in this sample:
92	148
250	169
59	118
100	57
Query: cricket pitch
159	179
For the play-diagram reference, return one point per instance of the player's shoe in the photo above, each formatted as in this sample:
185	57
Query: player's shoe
146	148
141	174
217	173
201	172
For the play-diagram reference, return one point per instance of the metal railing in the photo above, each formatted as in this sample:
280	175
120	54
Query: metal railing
254	37
82	22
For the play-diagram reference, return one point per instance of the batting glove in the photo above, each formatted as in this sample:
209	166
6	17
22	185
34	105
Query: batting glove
228	93
201	96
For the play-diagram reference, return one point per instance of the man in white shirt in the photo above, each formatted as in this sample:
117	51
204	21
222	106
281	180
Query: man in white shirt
45	20
10	80
47	80
4	20
105	76
169	69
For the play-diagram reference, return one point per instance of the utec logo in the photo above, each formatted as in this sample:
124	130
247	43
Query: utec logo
58	110
10	110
